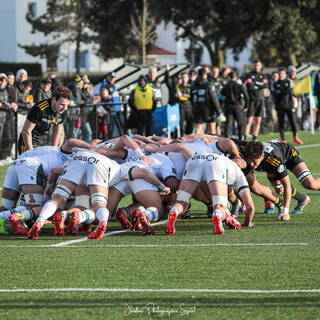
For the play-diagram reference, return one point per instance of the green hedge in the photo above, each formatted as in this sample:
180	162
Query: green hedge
33	69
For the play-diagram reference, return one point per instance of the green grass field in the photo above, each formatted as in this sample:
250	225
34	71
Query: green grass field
269	271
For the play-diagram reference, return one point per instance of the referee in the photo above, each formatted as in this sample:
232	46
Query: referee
45	115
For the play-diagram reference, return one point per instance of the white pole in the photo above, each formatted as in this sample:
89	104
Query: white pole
312	104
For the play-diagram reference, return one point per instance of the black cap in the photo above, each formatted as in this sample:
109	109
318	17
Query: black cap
47	80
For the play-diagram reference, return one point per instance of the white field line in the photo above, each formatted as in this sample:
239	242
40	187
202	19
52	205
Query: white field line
66	243
161	290
163	245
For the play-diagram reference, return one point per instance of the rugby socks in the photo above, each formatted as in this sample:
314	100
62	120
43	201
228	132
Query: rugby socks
152	214
47	211
279	202
88	216
4	215
27	215
175	211
102	213
297	195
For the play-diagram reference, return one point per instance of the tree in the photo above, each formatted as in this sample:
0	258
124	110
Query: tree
217	24
64	21
289	34
144	26
120	26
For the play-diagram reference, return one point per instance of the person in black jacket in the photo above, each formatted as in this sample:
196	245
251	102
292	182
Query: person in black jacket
6	119
283	99
204	98
256	83
43	91
233	93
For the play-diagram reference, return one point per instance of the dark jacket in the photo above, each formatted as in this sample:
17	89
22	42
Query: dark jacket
233	93
204	93
255	85
283	94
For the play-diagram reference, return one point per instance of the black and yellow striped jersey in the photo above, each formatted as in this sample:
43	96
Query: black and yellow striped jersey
278	157
42	115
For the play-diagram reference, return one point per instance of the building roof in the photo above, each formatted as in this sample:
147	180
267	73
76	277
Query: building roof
159	51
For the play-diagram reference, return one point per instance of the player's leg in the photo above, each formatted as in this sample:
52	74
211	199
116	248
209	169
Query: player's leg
60	195
99	199
219	194
185	192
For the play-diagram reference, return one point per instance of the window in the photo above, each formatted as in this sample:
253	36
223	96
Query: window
32	8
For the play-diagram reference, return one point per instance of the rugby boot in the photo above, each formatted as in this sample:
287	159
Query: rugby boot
217	224
269	207
34	231
73	223
135	222
122	218
297	140
58	221
18	224
171	223
99	232
232	222
301	205
145	223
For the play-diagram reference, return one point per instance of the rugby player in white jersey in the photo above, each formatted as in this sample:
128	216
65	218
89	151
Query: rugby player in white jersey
95	170
218	172
28	175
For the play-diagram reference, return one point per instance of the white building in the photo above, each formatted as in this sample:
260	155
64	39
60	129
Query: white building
15	30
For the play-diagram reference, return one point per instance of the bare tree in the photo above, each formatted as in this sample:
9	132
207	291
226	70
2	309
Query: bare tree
144	26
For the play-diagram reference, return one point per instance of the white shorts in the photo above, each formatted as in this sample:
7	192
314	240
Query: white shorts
134	186
206	170
24	171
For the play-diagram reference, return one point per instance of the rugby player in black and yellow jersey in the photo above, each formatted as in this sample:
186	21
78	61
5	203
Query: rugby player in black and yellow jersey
275	158
46	115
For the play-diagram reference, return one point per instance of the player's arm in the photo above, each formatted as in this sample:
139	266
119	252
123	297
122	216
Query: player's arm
73	142
56	133
185	151
26	133
249	213
142	138
141	173
285	181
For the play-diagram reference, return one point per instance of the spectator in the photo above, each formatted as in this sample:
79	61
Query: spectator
114	97
142	102
11	87
21	76
232	94
24	99
204	99
192	76
156	86
183	93
56	82
43	91
43	117
102	114
283	94
7	133
171	83
214	126
256	82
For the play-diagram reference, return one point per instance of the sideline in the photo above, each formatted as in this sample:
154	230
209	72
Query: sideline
162	290
59	245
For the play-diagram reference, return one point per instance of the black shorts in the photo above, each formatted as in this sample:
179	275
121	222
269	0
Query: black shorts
293	159
255	108
202	114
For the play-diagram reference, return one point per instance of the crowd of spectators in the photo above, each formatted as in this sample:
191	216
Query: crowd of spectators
211	100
